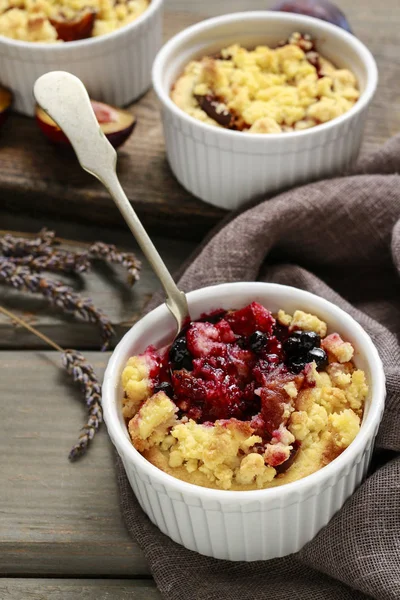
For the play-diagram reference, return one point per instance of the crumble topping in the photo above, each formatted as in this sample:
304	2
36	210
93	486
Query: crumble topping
242	400
307	322
65	20
335	346
152	422
136	383
266	90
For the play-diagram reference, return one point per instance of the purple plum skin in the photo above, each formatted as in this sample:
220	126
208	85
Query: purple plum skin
320	9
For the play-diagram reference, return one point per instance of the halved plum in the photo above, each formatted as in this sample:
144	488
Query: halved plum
6	99
116	124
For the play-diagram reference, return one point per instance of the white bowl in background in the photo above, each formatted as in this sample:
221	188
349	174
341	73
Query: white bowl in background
248	525
115	67
227	168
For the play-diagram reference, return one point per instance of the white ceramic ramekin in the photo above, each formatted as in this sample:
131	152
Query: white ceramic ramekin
115	68
250	525
227	168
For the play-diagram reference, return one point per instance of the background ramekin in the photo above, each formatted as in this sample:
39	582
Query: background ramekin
227	168
250	525
115	68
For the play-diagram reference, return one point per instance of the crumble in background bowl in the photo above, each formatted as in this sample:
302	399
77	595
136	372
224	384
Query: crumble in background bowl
227	168
115	67
245	525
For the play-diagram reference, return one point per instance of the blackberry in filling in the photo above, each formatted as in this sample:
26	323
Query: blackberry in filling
303	347
179	355
164	386
258	341
235	364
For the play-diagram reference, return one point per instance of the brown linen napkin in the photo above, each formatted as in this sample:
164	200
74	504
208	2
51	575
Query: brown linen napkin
340	239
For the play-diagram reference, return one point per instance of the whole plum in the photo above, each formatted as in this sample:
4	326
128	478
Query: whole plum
320	9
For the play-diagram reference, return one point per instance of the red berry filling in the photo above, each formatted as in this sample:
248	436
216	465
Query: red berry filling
251	318
234	364
215	369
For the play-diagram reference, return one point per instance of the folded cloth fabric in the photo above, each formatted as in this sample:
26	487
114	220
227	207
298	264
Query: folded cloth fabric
340	239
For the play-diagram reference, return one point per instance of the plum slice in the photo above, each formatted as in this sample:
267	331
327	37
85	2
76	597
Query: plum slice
283	467
70	30
116	124
215	109
5	103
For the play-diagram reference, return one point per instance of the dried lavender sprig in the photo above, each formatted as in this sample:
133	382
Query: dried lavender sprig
110	253
19	246
83	374
39	254
88	432
60	261
57	294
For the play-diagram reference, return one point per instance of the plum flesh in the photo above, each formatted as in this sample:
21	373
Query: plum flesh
79	28
116	124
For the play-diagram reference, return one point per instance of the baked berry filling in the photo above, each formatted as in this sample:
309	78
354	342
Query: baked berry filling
235	364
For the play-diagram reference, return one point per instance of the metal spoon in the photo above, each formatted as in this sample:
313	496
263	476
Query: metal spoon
65	99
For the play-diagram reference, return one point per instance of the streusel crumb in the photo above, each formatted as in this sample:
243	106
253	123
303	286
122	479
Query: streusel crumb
136	384
49	20
266	90
308	322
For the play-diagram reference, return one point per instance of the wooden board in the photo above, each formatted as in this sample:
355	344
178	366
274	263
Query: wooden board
71	589
106	285
56	518
60	520
36	179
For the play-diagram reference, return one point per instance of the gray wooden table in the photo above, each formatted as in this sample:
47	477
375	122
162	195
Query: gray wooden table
61	533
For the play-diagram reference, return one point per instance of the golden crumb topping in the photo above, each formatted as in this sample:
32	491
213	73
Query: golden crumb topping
344	427
302	320
153	421
336	347
65	20
136	384
308	322
266	90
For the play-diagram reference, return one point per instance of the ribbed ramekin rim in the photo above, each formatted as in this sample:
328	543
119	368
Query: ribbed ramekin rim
303	486
164	53
155	5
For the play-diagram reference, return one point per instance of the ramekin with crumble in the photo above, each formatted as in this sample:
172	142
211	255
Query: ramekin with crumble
243	400
266	90
66	20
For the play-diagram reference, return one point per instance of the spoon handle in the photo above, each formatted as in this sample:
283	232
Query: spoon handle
65	99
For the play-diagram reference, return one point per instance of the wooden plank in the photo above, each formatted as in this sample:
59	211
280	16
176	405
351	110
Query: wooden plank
39	180
106	286
37	177
56	518
71	589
